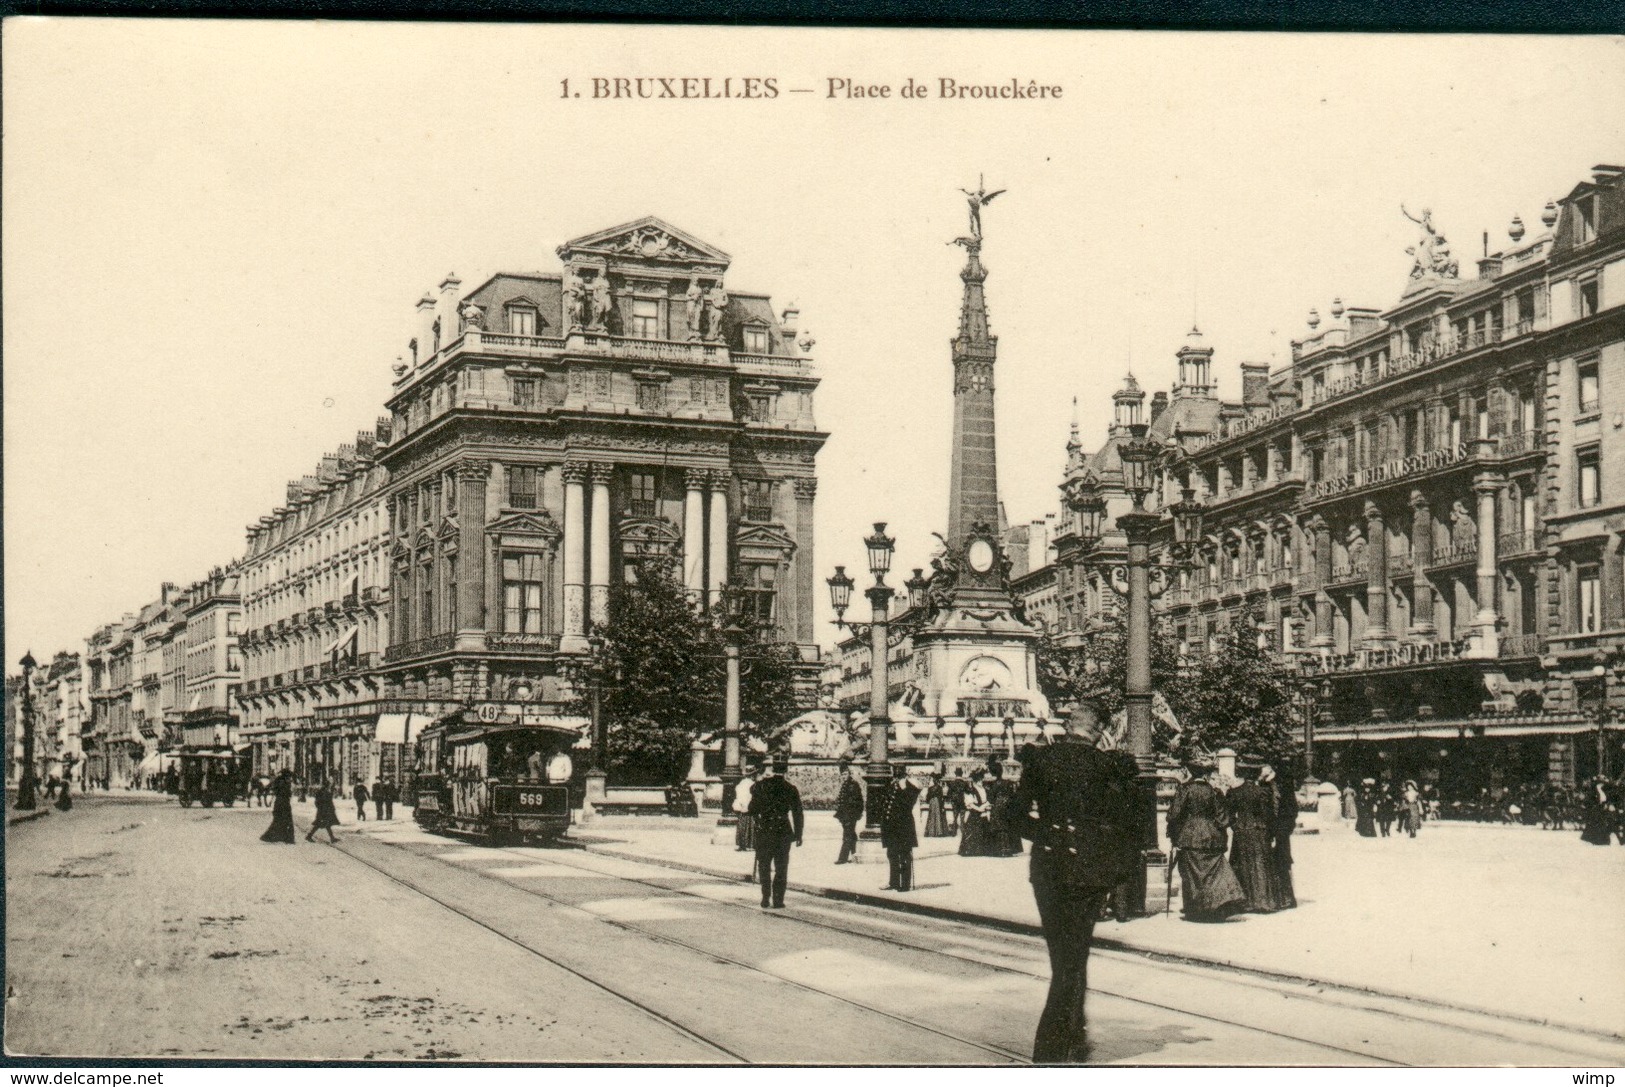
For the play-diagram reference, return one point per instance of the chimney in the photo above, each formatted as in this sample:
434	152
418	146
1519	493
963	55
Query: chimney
787	327
165	591
328	469
1159	404
451	325
1255	384
294	492
1489	267
383	428
1363	320
425	338
363	443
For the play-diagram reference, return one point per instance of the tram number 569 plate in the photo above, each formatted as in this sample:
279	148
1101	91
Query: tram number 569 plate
528	799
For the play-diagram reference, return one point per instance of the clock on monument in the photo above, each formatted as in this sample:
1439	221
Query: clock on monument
980	556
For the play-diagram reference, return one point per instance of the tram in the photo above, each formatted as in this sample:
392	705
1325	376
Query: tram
210	776
496	781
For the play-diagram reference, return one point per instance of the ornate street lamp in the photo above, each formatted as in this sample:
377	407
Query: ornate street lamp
1085	500
916	587
733	634
883	635
1187	515
1136	453
27	783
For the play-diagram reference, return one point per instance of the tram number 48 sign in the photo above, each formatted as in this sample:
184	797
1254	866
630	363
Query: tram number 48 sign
488	713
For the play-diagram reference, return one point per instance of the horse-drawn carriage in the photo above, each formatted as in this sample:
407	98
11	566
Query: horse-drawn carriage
501	782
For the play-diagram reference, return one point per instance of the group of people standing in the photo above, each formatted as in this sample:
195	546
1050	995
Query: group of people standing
1374	808
1232	843
383	795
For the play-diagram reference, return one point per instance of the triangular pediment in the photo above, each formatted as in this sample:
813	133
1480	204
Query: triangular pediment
648	238
448	528
649	530
424	538
764	536
525	523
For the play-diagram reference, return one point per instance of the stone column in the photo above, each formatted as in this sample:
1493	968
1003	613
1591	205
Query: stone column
472	476
575	538
1272	463
598	593
717	574
1324	636
694	532
1421	554
806	574
1376	582
1487	487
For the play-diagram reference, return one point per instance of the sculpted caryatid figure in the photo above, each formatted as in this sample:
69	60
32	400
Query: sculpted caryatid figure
978	200
716	303
600	302
1463	533
695	296
575	301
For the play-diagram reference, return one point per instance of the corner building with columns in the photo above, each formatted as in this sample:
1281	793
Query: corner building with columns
550	430
1424	510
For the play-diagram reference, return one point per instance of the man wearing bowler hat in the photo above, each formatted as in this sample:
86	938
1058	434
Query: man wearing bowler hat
776	806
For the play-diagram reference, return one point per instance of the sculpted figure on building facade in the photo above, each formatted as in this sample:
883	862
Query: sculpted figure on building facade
473	317
695	296
600	302
716	303
1431	253
1463	533
575	301
1356	548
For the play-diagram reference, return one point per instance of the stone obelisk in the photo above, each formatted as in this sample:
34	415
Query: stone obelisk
974	656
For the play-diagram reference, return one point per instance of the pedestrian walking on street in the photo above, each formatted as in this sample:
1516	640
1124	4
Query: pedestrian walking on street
1004	832
1197	824
387	793
1411	808
1351	806
1286	821
1386	807
956	788
1085	842
281	828
776	806
378	799
327	816
936	809
1599	813
974	838
64	799
1252	821
897	829
744	839
848	810
361	798
1365	809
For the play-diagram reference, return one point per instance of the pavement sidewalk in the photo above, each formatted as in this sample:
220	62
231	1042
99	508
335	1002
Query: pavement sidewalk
1514	921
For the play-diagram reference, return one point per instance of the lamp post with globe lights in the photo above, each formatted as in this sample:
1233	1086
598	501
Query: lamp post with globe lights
27	783
882	635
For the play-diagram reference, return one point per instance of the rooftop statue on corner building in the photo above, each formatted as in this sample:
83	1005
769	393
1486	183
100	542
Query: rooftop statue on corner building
1431	252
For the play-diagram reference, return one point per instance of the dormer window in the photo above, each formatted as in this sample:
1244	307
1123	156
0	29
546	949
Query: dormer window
521	321
645	318
1585	227
756	340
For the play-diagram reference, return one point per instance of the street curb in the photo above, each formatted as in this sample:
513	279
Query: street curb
28	817
1110	943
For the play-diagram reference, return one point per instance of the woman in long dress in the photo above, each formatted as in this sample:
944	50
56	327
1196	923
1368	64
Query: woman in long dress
1004	833
1411	807
936	815
1351	807
1252	821
1599	819
1286	821
281	828
973	839
327	816
1365	809
1197	822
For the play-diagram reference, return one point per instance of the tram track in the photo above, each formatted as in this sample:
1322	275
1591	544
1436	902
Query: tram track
665	938
1476	1024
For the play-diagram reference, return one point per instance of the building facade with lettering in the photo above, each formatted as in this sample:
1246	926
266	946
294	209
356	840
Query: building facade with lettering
1424	511
551	431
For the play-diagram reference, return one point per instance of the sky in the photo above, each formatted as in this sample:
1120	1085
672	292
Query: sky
214	234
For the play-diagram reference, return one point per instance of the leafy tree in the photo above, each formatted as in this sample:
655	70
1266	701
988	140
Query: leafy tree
1095	665
1240	696
665	679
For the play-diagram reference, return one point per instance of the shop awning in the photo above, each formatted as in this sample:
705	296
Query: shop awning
400	728
155	763
340	642
1451	731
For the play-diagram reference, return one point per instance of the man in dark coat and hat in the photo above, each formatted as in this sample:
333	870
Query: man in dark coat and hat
897	831
776	806
1085	842
848	810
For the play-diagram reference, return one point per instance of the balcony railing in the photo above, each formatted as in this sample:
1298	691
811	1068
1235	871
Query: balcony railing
421	647
771	364
1522	542
1280	576
332	608
1454	555
1231	586
1520	645
503	642
1401	565
150	679
1520	442
1425	356
372	596
653	350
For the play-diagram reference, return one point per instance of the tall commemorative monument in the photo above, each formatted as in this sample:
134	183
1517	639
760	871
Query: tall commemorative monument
975	659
